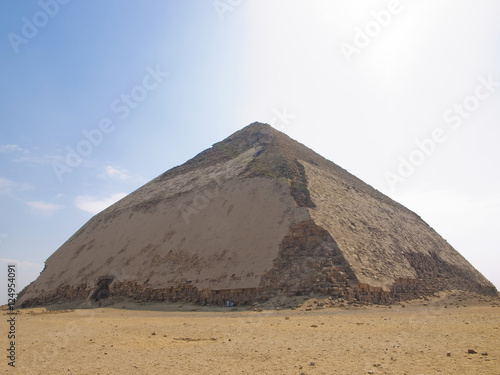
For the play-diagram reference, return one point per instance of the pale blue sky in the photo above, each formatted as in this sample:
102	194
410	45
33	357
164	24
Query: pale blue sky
196	71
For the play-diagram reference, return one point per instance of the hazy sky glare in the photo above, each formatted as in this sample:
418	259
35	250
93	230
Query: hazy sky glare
276	61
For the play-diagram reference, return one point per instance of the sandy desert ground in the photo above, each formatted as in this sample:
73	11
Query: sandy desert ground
319	337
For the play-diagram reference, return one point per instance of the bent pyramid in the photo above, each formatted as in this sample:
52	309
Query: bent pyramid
255	216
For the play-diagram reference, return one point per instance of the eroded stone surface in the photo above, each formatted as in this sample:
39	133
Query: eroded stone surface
255	216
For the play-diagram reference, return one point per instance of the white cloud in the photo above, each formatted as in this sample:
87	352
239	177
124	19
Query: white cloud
26	156
23	263
10	148
122	175
6	185
116	173
45	159
94	206
47	209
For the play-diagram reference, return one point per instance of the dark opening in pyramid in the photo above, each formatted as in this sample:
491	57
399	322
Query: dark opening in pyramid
255	216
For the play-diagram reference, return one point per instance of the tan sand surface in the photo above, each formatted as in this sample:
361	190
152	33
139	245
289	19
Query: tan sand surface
317	337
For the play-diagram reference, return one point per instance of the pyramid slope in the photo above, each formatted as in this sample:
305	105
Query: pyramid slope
256	215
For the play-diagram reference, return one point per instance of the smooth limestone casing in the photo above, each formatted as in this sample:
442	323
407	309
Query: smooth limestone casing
156	246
